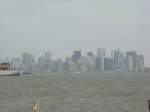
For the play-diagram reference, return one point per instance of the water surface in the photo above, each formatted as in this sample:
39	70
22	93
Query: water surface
86	92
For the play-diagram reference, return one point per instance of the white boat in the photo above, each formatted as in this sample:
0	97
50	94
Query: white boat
9	73
5	70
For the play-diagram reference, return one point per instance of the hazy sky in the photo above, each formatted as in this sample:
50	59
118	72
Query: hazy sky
62	26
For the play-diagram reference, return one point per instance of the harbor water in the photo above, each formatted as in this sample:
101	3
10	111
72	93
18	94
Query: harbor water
76	92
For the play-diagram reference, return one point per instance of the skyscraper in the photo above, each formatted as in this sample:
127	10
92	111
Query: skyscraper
91	61
48	61
140	63
66	64
131	60
41	64
90	54
83	64
118	60
130	63
57	65
76	57
69	65
108	64
15	64
28	63
100	59
48	57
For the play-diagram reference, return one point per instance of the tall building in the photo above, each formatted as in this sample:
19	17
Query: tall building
48	57
76	57
27	59
41	64
91	61
28	63
98	62
66	64
108	64
83	64
140	63
100	59
131	61
57	65
48	61
90	54
15	64
69	65
118	60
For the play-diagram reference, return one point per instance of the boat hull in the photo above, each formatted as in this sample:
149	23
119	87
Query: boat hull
9	73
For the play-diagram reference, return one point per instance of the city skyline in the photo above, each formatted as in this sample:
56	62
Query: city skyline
62	26
108	54
129	61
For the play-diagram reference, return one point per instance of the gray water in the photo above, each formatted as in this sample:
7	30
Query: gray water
76	93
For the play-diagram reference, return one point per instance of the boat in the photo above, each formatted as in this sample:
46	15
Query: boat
9	73
5	70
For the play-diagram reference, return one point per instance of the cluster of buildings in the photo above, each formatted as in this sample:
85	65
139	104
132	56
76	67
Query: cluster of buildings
118	61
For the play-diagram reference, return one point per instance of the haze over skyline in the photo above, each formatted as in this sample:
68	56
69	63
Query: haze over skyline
61	26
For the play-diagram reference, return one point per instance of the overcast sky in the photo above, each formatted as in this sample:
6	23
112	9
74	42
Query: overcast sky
62	26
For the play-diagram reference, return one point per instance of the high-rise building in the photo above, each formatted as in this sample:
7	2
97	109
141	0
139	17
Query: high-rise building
69	65
90	54
48	57
131	61
83	64
28	63
41	64
57	65
15	64
48	61
118	60
27	58
76	57
90	61
66	65
108	64
140	63
100	59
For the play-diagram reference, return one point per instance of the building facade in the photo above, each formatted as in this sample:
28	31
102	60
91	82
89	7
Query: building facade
140	63
100	59
76	57
131	61
118	60
28	63
15	64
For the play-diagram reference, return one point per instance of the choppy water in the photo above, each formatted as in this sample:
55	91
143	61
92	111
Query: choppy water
76	93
